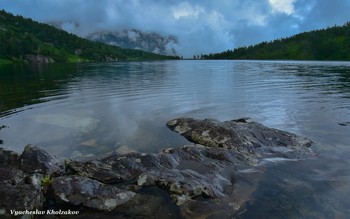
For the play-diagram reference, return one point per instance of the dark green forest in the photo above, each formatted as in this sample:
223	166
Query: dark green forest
332	43
25	40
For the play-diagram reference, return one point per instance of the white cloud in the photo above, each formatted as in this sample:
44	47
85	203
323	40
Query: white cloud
259	20
282	6
185	9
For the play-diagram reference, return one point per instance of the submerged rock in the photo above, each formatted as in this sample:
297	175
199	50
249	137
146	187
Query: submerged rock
79	123
344	123
89	143
123	149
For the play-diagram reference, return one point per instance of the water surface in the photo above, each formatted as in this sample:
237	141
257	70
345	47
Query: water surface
84	111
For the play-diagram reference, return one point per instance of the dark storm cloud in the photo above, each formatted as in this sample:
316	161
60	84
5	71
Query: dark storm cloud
200	26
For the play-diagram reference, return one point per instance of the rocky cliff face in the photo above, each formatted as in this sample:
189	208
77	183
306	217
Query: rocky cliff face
31	58
136	39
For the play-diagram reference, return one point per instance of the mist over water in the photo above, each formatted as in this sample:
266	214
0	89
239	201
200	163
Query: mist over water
86	111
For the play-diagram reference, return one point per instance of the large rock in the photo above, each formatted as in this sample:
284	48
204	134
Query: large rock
249	139
77	190
21	178
19	190
186	172
212	168
9	158
36	160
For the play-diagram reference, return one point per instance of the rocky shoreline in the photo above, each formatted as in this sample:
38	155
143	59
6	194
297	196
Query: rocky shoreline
207	170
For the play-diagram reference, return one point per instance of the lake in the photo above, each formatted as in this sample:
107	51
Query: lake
92	110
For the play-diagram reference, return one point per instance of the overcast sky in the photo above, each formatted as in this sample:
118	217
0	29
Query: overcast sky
201	26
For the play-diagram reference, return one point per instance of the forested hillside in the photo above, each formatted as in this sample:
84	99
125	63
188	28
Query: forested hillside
25	40
327	44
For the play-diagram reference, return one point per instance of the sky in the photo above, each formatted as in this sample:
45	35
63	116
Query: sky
201	26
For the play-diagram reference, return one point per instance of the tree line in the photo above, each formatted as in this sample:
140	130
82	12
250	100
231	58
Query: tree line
332	43
21	36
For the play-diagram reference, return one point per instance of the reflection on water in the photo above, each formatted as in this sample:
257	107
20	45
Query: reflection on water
22	85
92	110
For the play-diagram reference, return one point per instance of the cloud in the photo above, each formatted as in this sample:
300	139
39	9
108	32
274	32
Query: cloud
204	26
185	10
282	6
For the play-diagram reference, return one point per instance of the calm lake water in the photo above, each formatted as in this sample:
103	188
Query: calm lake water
84	111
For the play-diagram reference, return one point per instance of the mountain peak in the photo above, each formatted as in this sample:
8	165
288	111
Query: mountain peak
137	39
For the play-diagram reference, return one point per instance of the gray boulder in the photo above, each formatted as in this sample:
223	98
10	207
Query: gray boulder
21	178
19	190
77	190
249	139
36	160
185	172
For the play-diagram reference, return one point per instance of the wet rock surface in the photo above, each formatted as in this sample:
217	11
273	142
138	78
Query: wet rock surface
77	190
185	172
35	160
210	170
21	176
1	127
251	140
344	123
